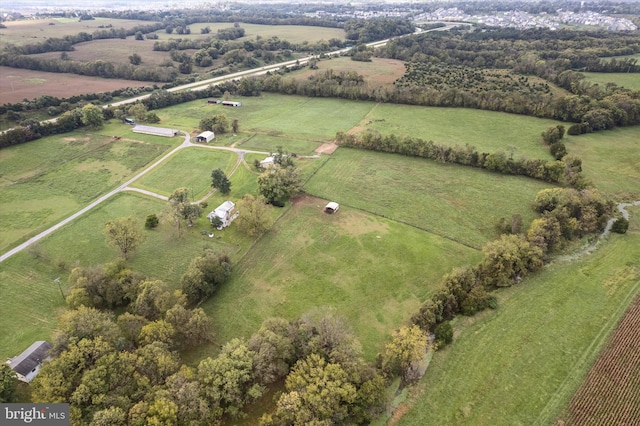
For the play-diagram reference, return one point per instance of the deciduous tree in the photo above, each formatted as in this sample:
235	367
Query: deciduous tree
404	353
204	275
254	218
92	116
220	181
278	184
124	234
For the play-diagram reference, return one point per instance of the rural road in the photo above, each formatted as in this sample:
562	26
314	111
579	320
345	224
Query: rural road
125	186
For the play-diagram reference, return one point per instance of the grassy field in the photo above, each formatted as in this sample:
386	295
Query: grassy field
536	348
312	260
486	130
45	180
611	159
378	72
34	31
457	202
628	80
180	171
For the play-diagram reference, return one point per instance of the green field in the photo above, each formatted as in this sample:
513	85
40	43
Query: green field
45	180
460	203
486	130
629	80
373	271
611	159
520	364
178	172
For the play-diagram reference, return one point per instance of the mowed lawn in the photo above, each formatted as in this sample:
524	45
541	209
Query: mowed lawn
372	271
43	181
189	168
610	159
520	364
460	203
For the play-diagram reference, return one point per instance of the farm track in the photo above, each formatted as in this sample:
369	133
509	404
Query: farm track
125	186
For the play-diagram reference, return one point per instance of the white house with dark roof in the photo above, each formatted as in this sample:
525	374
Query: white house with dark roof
226	212
27	364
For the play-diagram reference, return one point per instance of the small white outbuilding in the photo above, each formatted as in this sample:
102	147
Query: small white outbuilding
205	137
331	207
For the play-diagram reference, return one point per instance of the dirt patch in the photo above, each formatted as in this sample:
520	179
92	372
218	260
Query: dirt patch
327	148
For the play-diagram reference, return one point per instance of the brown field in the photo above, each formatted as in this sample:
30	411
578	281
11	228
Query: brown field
610	395
378	72
18	84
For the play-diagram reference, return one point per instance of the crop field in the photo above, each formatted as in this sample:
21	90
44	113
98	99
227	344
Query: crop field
629	80
611	159
536	348
611	392
314	260
46	180
456	202
18	84
179	172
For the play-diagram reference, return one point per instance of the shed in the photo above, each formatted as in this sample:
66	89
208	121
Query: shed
267	162
156	131
205	137
226	212
27	364
213	101
331	207
231	103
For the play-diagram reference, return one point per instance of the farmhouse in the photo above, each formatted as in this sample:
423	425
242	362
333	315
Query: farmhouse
27	364
331	207
156	131
230	103
226	212
205	137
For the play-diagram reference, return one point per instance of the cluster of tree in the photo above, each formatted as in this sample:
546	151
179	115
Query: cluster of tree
566	214
367	30
434	60
203	277
33	129
232	33
281	180
218	124
558	171
97	68
182	209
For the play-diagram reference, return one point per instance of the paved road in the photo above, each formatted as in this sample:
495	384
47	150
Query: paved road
125	186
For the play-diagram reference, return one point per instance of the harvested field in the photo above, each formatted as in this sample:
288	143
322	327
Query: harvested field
610	395
18	84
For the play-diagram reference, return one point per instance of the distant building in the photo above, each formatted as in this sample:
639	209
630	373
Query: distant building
213	101
156	131
230	103
27	364
226	212
205	137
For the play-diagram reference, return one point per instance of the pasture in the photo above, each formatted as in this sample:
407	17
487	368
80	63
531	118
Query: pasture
611	160
629	80
456	202
536	348
378	72
373	271
45	180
